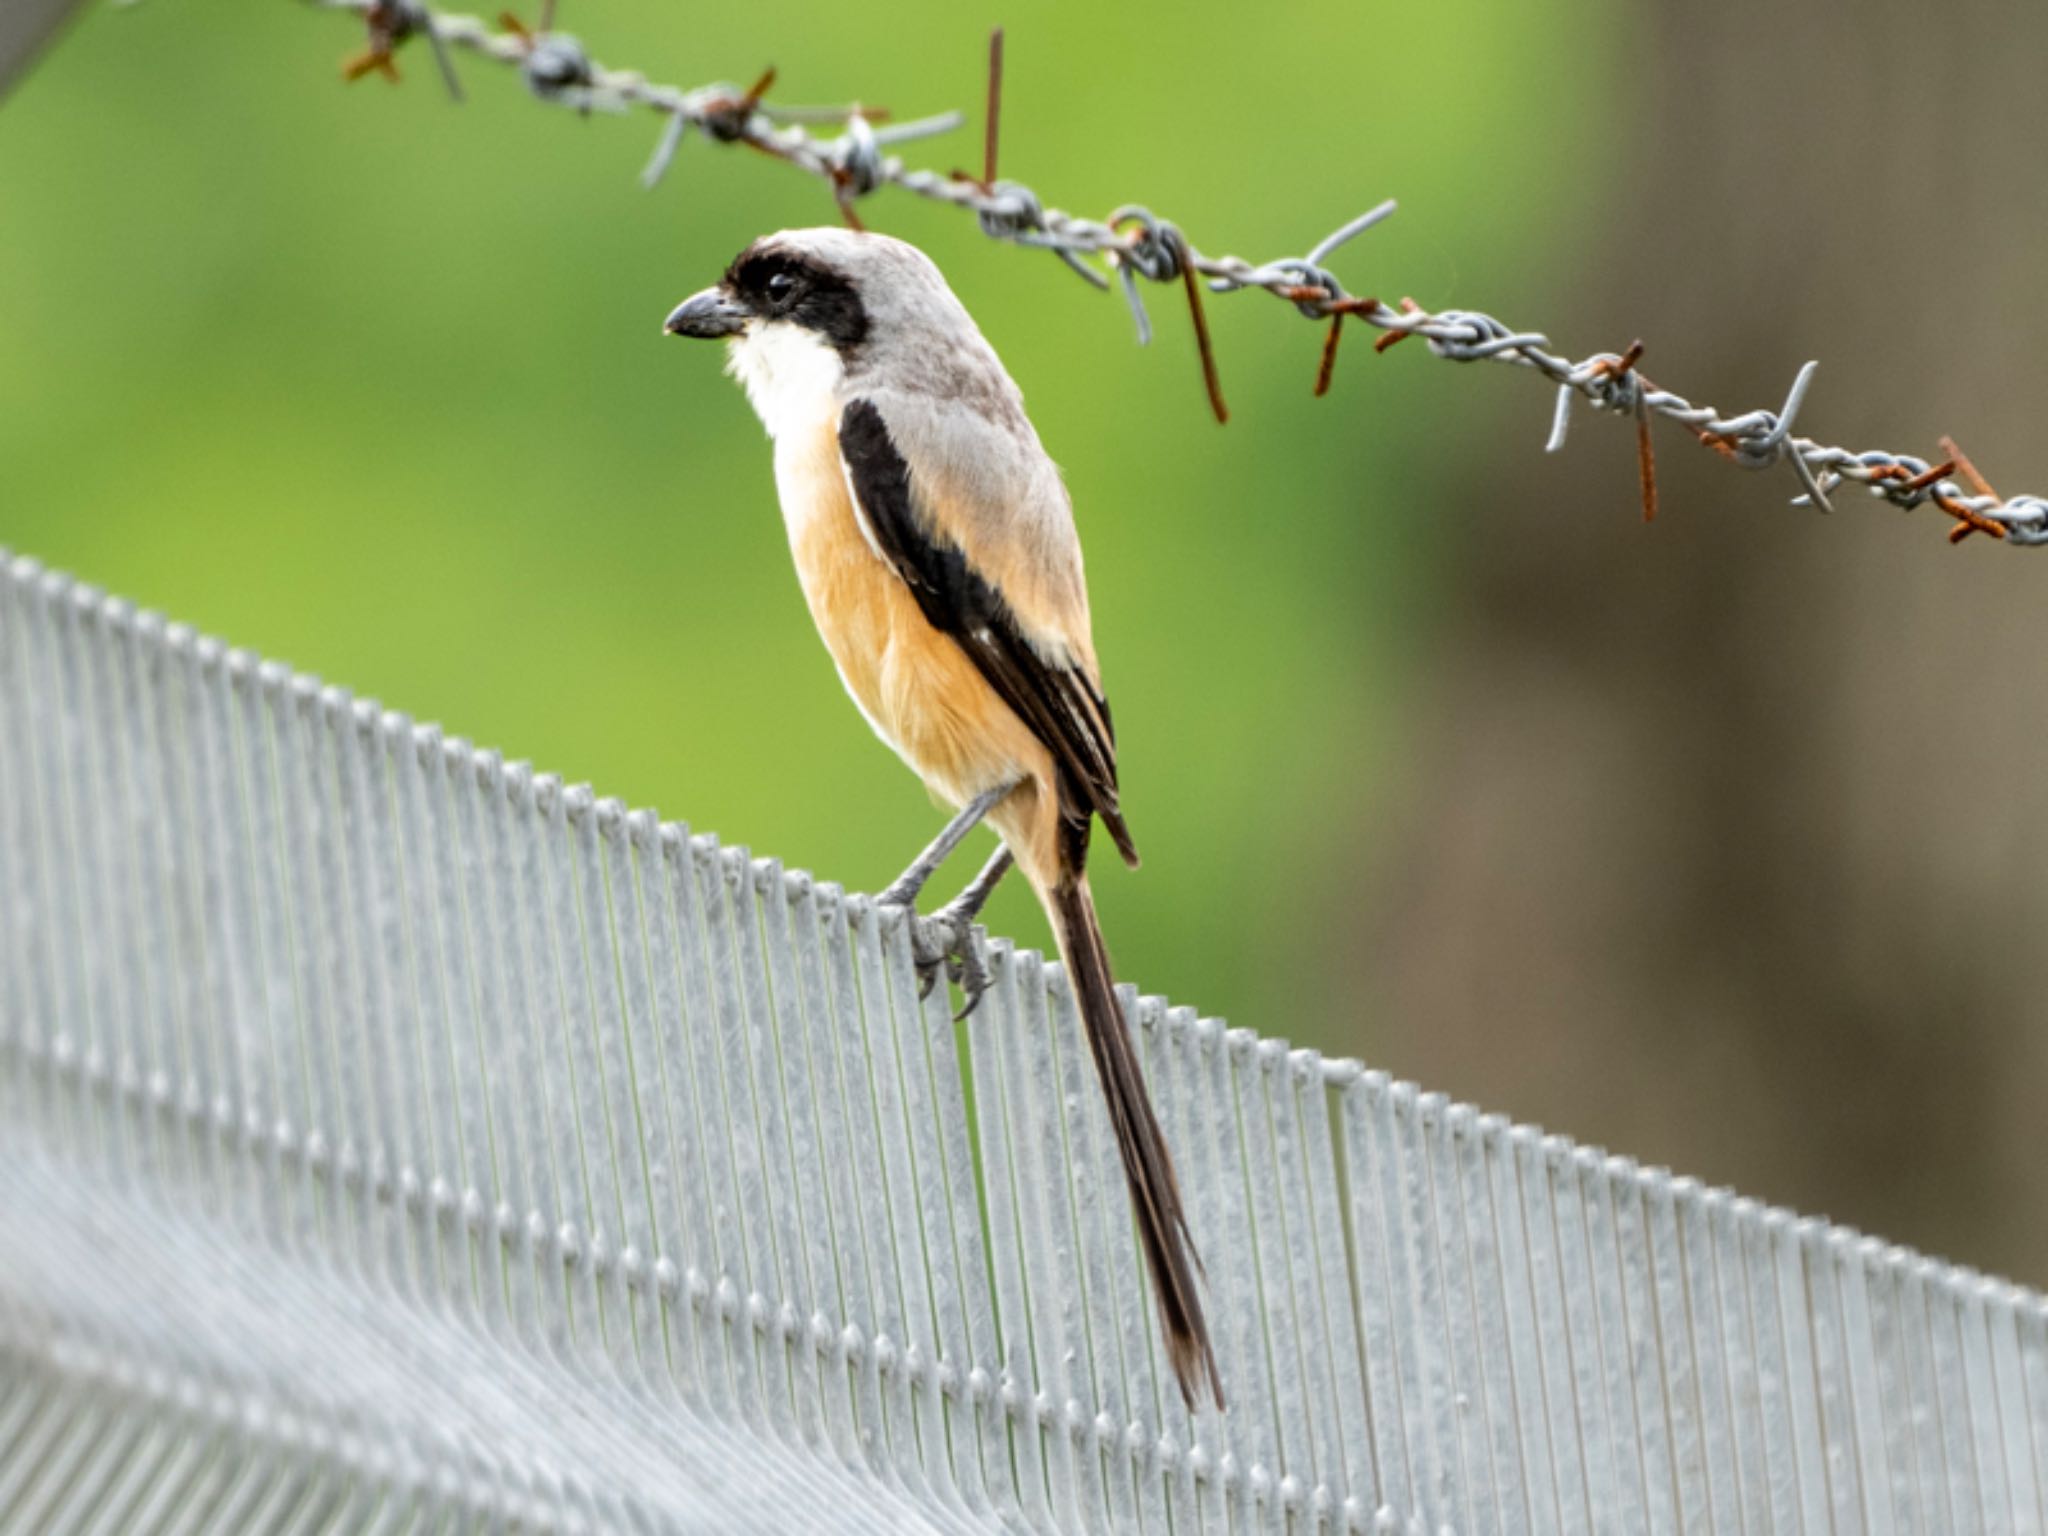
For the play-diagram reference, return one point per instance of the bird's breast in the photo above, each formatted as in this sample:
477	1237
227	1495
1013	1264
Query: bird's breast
915	685
844	581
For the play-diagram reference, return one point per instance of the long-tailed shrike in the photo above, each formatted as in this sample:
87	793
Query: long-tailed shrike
935	543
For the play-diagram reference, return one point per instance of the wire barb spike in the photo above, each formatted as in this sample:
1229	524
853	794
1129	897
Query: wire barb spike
1329	362
995	107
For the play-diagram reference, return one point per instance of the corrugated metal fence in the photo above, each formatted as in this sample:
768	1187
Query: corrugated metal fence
393	1138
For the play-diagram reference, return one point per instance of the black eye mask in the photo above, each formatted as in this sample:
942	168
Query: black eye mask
776	285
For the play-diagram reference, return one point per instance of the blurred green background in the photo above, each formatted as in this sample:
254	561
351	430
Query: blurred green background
1714	842
358	378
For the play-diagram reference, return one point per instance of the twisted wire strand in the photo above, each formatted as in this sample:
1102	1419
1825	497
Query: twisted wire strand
1135	243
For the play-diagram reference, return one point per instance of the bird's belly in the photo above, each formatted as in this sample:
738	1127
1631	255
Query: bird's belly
915	686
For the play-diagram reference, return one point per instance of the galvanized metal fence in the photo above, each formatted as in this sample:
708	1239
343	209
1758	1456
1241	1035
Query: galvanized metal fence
393	1138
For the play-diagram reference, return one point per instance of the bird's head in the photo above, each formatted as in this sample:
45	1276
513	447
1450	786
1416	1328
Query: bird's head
806	280
804	308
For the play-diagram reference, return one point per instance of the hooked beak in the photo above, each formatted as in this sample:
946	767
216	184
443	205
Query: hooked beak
709	314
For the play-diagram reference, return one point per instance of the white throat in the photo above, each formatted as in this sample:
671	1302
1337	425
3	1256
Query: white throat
791	375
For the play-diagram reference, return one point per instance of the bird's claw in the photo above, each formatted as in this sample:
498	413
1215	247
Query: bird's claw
968	971
945	940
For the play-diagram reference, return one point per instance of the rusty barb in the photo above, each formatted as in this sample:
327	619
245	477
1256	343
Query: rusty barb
388	24
1133	243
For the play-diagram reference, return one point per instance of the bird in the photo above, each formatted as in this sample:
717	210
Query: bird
935	543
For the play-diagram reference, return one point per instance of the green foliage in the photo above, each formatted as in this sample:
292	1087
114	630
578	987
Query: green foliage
374	383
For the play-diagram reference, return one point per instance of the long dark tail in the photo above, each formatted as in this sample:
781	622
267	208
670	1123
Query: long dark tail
1155	1196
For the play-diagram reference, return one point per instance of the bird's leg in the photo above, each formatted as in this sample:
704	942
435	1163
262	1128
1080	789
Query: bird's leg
944	937
966	907
902	891
948	935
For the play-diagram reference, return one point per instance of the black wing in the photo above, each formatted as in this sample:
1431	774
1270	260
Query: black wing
1060	704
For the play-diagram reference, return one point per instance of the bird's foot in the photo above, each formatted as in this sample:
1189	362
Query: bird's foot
945	941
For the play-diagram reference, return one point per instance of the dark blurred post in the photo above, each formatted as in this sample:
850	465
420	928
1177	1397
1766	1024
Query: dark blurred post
26	26
1724	843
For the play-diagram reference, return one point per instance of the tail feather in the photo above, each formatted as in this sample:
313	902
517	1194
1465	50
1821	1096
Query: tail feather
1148	1166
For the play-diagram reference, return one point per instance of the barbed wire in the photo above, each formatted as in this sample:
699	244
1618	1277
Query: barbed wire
1134	243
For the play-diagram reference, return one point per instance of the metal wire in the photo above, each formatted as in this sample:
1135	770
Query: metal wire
395	1138
1134	243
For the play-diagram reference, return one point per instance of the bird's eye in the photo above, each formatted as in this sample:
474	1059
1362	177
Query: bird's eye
780	287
